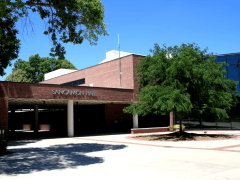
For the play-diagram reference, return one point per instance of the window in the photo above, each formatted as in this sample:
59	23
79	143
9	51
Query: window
232	59
75	83
221	58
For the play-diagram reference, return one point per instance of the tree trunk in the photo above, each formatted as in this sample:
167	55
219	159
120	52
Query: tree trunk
180	121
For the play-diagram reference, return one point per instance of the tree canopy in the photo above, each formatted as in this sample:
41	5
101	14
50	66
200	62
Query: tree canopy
33	71
182	79
19	76
67	21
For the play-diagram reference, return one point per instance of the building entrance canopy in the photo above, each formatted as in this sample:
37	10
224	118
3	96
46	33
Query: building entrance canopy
25	95
52	92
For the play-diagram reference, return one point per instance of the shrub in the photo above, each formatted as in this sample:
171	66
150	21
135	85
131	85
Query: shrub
177	126
172	127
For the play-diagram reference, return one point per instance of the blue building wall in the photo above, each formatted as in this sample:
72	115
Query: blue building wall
233	72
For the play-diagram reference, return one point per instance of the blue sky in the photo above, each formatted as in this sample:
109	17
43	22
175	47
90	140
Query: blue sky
209	23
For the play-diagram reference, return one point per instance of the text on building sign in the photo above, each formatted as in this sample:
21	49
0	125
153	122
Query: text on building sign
79	93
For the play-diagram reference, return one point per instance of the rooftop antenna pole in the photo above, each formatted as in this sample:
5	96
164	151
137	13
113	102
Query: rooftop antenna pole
119	63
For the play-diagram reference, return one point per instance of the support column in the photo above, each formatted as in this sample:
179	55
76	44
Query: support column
36	119
135	121
174	116
70	118
172	119
12	121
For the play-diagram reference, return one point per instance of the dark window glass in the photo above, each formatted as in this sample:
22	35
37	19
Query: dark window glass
221	58
238	68
232	59
233	72
75	83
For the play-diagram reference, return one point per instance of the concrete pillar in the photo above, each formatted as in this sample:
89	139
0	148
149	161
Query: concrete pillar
172	119
135	121
36	119
13	120
174	115
70	118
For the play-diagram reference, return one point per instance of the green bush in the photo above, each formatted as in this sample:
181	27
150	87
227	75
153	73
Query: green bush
177	126
3	146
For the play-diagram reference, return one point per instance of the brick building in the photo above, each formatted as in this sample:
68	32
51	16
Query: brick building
76	102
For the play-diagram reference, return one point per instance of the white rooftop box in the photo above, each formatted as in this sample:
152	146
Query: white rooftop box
56	73
111	55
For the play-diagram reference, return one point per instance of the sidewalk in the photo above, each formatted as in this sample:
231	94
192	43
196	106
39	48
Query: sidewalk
118	157
226	145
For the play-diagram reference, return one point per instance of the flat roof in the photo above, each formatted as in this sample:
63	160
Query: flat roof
228	54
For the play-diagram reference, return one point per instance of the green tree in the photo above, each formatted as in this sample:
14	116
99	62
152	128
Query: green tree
19	76
36	67
67	21
9	44
182	79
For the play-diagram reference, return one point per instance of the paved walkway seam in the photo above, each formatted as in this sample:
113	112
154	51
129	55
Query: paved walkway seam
215	149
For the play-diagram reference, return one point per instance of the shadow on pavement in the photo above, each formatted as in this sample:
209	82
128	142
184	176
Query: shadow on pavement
26	160
21	142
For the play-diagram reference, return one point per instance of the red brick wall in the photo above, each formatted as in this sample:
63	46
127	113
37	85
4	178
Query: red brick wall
104	75
4	115
127	73
114	112
136	86
44	91
4	107
3	89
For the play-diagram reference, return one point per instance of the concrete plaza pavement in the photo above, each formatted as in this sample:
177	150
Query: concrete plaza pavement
120	157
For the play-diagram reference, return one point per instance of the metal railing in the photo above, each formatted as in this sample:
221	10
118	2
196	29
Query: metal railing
205	123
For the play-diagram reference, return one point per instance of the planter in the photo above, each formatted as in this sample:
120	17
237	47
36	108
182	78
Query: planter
45	127
27	126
